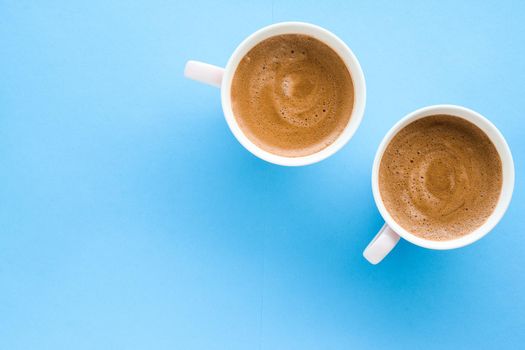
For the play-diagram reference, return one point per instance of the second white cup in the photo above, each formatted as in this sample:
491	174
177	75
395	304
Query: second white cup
390	233
222	77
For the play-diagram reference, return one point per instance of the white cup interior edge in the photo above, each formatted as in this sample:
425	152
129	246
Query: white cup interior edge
507	168
337	45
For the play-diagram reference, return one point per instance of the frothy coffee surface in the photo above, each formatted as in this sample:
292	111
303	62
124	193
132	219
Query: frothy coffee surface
292	95
440	177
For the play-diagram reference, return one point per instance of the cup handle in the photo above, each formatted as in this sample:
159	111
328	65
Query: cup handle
385	240
204	72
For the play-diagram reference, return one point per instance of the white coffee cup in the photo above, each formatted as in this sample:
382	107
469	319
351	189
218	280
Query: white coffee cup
222	77
390	233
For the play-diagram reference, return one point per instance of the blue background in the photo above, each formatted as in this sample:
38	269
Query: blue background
131	218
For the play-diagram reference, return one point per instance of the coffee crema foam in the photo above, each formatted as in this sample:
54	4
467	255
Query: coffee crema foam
440	177
292	95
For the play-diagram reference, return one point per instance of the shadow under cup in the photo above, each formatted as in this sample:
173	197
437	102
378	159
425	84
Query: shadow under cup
507	184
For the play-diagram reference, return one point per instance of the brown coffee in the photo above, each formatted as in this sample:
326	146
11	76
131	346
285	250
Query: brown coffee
440	177
292	95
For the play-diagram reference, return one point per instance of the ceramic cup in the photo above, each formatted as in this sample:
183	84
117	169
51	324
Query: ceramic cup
222	78
391	232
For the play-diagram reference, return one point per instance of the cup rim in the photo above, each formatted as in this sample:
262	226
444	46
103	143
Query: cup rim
507	186
336	44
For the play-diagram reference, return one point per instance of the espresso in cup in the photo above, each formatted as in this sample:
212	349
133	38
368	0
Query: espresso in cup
440	177
292	95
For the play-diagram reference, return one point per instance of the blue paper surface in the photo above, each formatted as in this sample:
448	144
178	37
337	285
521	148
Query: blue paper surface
131	218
